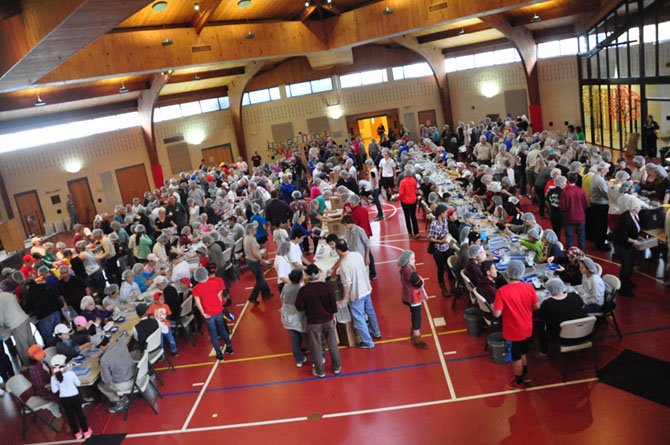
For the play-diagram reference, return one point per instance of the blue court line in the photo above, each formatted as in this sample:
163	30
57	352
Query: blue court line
306	379
468	358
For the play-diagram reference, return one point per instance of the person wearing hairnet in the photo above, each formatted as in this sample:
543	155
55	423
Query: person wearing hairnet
515	302
560	307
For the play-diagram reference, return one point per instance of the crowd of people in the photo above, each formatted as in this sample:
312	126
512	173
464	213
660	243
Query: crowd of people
199	230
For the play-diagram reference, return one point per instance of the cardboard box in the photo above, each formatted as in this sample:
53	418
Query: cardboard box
336	203
336	227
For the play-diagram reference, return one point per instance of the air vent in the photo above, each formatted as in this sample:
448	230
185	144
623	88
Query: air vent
201	48
438	6
173	139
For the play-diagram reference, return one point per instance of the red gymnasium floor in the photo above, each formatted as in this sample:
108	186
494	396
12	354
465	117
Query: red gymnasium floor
451	393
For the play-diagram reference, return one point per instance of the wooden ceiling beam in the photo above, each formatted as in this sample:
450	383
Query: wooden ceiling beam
88	20
306	13
26	99
331	8
477	27
213	74
190	96
570	9
142	51
201	18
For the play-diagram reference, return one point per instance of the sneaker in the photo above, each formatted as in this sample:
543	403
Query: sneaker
373	278
174	354
364	346
542	355
229	350
377	337
219	357
79	435
527	380
118	406
256	302
379	218
55	409
337	371
514	385
88	433
302	362
316	374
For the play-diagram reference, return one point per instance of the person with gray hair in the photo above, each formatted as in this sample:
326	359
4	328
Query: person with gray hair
413	294
554	201
515	302
528	222
282	264
559	307
208	298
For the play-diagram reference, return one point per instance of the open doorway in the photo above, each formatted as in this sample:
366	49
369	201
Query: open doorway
369	127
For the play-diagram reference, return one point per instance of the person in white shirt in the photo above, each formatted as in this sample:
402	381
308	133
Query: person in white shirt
387	166
373	175
357	291
593	286
180	268
66	384
282	264
295	255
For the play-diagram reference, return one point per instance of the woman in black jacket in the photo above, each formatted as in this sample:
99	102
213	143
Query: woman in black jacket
626	238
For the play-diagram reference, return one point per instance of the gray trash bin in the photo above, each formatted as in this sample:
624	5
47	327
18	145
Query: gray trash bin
496	344
473	321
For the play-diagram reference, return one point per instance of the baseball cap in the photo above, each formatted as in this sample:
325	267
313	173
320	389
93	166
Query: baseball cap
28	259
61	328
80	321
185	281
58	361
157	295
36	352
152	257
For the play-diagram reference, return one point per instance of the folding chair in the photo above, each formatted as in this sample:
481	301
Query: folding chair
186	318
141	382
228	263
469	287
457	285
487	314
49	354
613	285
599	268
16	387
581	328
156	352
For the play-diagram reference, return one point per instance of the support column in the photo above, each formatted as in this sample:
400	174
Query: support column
145	108
523	41
235	93
434	57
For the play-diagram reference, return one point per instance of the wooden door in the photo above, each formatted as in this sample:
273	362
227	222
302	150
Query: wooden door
30	209
133	182
214	156
428	118
83	200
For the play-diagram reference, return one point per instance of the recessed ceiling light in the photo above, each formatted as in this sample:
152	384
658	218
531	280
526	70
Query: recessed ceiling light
461	32
329	1
196	77
307	4
387	11
535	18
166	42
39	102
243	3
250	35
196	6
123	89
159	6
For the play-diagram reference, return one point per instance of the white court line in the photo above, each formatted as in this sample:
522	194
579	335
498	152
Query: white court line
211	373
341	414
452	393
198	384
450	352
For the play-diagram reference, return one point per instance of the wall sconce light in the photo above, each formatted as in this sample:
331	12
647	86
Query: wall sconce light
73	166
334	111
194	136
489	89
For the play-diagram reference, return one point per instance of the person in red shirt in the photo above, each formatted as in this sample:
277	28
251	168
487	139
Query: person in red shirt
28	268
516	302
407	195
208	295
362	220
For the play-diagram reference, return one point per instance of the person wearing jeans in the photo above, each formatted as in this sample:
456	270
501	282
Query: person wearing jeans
293	320
407	195
357	290
208	294
255	263
317	300
373	176
573	203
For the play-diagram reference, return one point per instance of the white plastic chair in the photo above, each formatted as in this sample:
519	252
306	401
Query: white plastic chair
458	284
469	286
156	352
16	387
612	285
599	268
49	353
186	318
141	382
580	328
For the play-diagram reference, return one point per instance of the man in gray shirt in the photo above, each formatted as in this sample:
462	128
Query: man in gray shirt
356	238
116	371
599	206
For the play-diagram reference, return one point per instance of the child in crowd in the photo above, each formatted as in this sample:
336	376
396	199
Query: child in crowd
38	374
161	312
65	383
83	329
65	345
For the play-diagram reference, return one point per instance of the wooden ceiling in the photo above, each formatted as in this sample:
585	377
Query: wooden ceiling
130	53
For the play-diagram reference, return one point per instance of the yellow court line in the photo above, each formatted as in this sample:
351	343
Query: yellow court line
287	354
